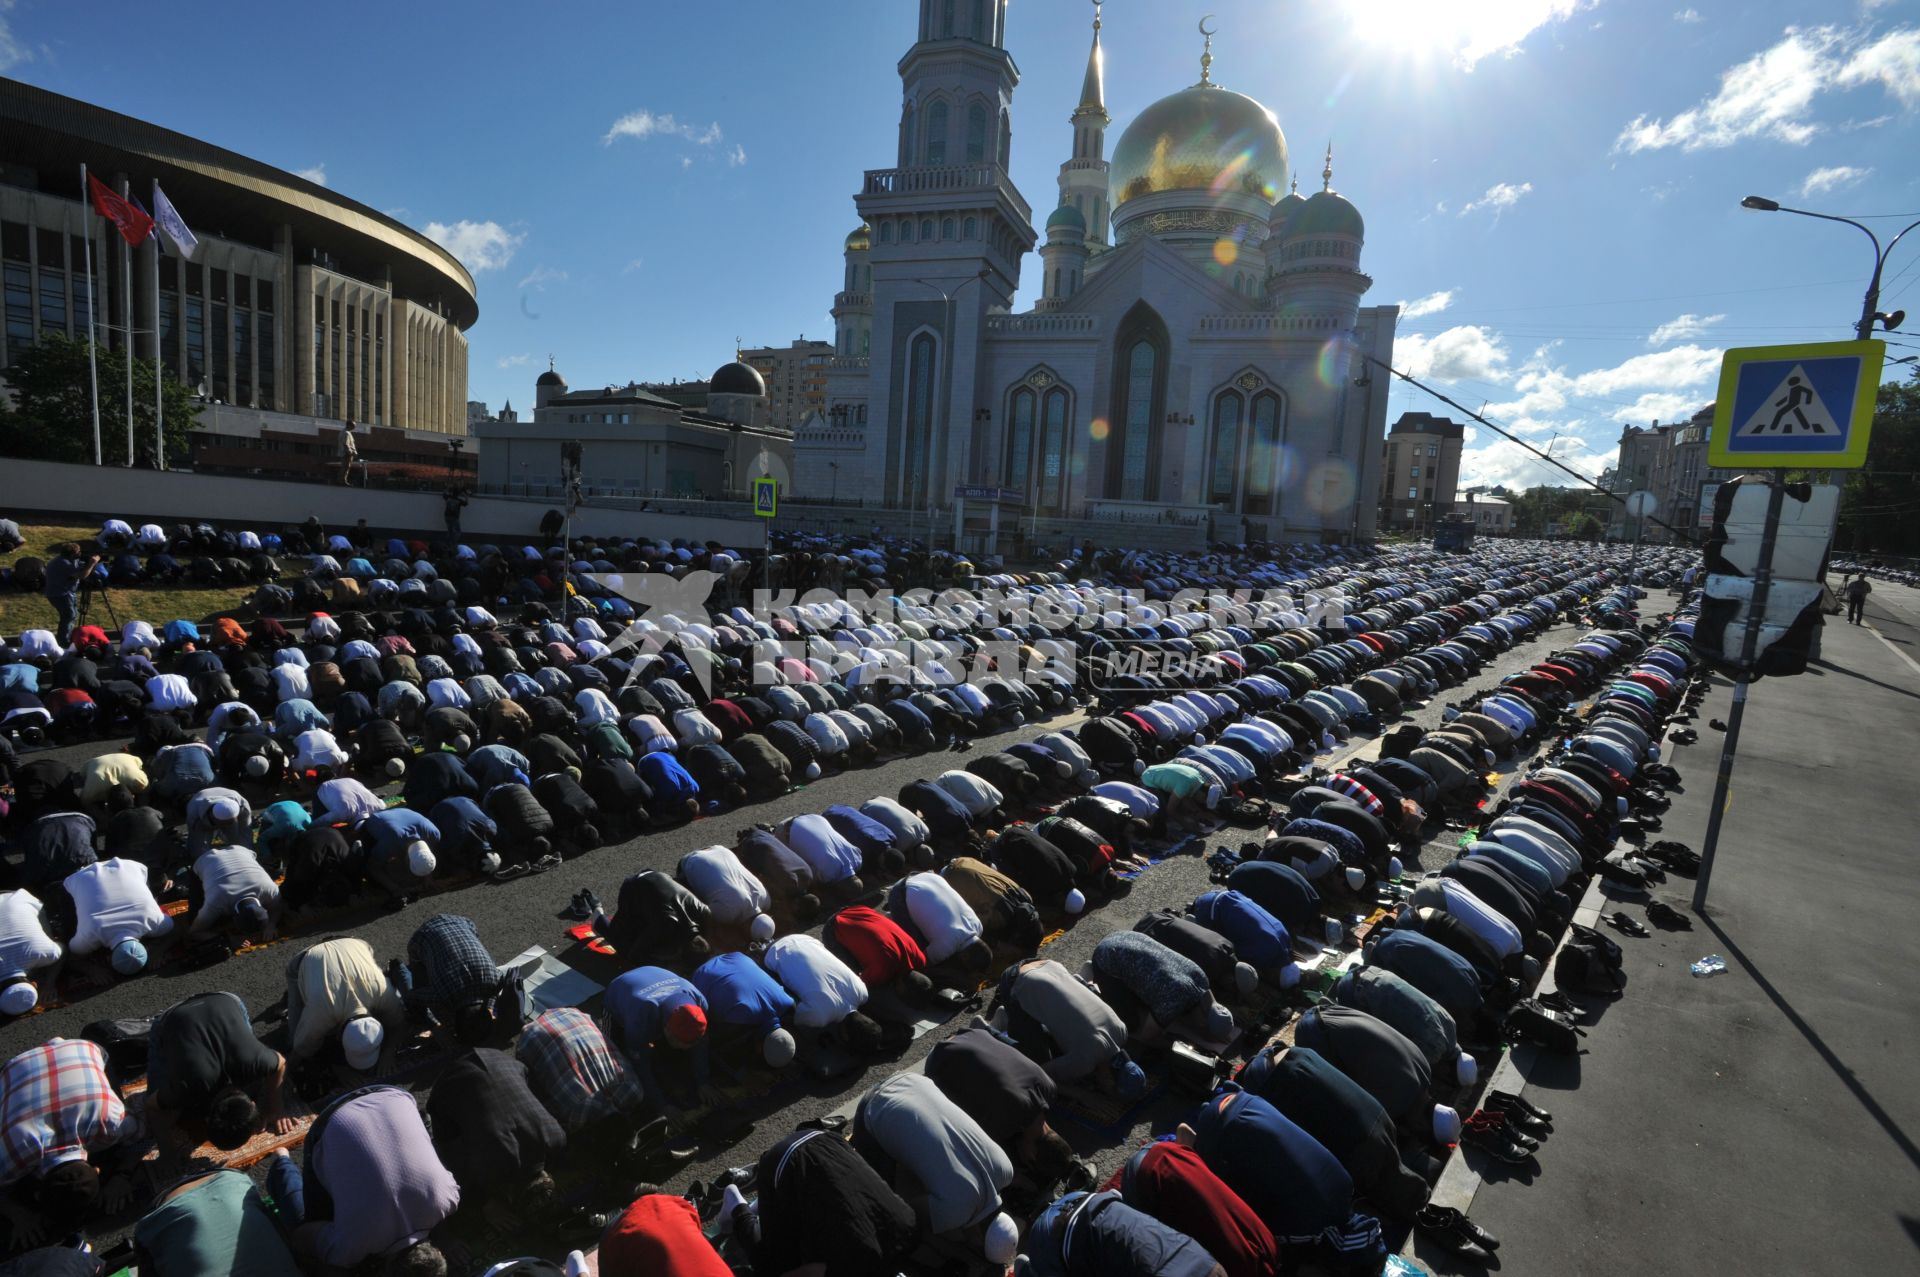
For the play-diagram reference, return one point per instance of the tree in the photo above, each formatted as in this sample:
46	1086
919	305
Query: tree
1539	508
53	416
1582	527
1880	502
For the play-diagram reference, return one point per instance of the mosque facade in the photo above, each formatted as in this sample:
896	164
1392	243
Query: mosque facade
1194	360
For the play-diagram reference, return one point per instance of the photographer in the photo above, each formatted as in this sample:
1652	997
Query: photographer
66	573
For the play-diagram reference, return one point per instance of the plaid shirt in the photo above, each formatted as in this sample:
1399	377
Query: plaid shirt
447	957
56	1105
575	1072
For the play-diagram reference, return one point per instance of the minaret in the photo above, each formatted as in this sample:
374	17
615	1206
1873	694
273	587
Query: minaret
1083	179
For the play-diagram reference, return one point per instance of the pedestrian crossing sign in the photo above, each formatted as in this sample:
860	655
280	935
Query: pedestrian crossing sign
766	496
1800	406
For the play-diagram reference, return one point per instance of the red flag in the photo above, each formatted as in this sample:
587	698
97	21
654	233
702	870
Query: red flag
134	224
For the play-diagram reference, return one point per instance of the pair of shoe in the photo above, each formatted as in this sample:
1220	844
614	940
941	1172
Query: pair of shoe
1530	1118
584	907
1456	1233
1667	917
1489	1131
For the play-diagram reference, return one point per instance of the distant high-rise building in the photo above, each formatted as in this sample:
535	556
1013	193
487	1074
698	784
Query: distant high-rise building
796	377
1420	472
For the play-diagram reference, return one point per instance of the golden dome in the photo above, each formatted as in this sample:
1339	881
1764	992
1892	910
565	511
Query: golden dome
860	239
1205	138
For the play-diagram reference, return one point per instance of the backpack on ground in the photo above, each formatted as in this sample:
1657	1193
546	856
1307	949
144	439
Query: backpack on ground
1589	963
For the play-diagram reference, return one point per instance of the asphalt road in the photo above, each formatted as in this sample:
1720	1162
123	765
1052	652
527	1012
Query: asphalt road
1764	1119
515	915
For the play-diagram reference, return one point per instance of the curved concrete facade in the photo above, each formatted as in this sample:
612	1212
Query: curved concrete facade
300	299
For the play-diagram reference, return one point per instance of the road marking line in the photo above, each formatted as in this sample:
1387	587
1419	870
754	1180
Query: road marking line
1891	647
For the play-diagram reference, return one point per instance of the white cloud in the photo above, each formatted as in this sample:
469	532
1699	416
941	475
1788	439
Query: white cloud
480	246
1476	29
13	51
1500	197
1467	352
1771	94
1659	405
1431	304
1682	328
1665	369
644	124
1503	463
1893	60
1688	16
1822	180
633	266
515	361
737	156
317	174
686	162
541	276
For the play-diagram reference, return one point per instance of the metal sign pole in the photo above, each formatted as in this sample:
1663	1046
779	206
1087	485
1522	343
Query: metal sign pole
1749	645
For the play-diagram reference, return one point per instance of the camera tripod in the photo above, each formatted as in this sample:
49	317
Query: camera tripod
86	605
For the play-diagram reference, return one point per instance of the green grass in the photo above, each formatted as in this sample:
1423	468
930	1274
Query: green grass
157	604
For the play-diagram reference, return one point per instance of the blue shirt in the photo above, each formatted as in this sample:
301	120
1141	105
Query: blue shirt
668	780
740	992
1289	1178
639	1002
1260	938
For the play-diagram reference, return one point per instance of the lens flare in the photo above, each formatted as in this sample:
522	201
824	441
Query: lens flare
1333	361
1330	486
1099	429
1226	252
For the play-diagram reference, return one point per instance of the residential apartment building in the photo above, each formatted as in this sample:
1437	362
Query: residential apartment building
796	377
1420	471
1670	461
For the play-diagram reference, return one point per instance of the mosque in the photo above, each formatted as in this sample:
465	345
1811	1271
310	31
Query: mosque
1192	367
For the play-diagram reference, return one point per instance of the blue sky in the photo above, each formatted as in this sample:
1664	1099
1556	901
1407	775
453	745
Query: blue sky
1553	185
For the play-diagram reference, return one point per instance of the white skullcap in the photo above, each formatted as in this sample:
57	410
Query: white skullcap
1003	1240
1394	867
420	861
361	1041
19	998
778	1049
810	772
1288	976
256	766
1076	900
225	809
1245	978
762	927
1446	1125
1138	766
1466	1070
1356	877
396	768
1214	794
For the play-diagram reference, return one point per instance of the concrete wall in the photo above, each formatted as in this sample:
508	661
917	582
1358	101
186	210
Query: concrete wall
90	494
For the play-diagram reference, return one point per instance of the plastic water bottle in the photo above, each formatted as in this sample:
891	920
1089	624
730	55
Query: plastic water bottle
1711	965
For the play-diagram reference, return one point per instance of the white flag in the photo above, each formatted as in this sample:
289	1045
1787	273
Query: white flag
172	225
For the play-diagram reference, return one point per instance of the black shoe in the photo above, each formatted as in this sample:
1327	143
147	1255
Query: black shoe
578	910
1508	1100
1455	1232
1495	1140
1622	922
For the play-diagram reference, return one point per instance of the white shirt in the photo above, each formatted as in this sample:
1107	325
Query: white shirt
826	989
691	727
323	627
1480	918
290	683
730	889
826	734
317	748
1143	803
909	831
940	915
25	946
976	795
170	692
345	800
651	733
230	874
1067	749
447	693
112	901
815	840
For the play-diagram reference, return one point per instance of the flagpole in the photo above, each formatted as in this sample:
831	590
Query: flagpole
93	313
159	397
126	313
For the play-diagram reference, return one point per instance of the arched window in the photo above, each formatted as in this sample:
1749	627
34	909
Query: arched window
907	149
1019	439
976	133
917	445
1263	454
972	230
906	230
926	228
1139	405
886	232
1005	154
1053	448
1223	449
946	228
937	133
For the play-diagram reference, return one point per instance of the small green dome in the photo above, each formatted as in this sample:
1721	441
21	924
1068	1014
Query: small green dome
1068	216
1328	213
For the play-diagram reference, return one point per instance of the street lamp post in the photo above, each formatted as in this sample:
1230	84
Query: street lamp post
1869	307
834	492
